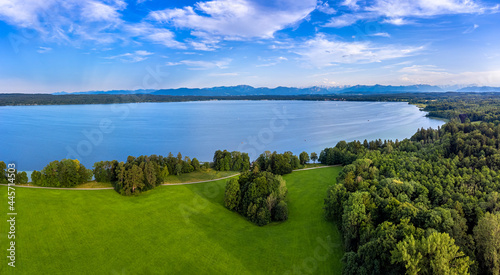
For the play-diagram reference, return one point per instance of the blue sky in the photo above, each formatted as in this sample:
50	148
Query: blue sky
80	45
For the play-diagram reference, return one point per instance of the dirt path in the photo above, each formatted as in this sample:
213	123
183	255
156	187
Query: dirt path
181	183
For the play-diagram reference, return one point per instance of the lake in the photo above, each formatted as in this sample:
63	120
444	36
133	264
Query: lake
33	136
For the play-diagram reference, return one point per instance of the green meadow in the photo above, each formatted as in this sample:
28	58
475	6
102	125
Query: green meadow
181	229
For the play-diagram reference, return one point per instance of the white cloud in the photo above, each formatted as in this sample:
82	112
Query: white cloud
236	19
322	52
224	74
202	65
381	34
97	11
164	37
424	8
325	8
44	49
418	74
400	12
172	63
205	41
74	22
471	29
66	21
200	46
23	13
272	61
153	34
134	57
346	19
353	4
397	21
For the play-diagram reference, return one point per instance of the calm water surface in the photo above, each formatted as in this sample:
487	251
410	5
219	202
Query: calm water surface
33	136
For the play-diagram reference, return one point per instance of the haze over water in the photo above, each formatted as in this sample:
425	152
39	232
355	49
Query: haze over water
33	136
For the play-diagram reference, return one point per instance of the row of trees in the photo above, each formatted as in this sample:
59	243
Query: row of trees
231	161
304	158
144	172
259	196
427	205
19	177
275	163
64	173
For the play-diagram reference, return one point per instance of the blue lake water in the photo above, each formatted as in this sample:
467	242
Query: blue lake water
33	136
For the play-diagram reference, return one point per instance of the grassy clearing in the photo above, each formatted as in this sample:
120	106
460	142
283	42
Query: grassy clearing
94	184
312	165
181	229
201	175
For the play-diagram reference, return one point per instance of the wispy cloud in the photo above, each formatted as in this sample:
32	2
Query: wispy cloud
202	64
431	74
44	49
75	22
353	4
471	29
346	19
381	34
223	74
324	7
136	56
425	8
67	21
323	52
402	12
272	61
154	34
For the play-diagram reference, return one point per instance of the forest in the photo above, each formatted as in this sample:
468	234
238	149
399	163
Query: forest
425	205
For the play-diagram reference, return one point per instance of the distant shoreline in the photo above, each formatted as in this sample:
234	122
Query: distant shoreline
90	99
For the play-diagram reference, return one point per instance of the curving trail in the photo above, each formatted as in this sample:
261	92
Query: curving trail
182	183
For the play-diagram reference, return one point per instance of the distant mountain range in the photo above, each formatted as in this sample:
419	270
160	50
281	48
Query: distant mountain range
483	89
245	90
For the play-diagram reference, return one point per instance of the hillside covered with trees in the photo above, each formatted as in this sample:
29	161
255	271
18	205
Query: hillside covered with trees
425	205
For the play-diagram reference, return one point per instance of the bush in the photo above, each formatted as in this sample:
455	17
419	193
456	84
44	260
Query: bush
281	212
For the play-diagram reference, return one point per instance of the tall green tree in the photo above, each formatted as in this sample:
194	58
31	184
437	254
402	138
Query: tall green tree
304	158
314	157
487	236
133	181
436	254
232	196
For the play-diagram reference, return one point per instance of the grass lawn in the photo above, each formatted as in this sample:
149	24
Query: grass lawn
201	175
312	165
182	229
94	184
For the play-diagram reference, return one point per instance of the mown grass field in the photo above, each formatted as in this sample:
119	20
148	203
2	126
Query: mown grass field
200	175
182	229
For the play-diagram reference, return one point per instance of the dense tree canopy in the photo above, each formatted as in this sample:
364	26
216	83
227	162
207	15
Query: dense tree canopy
275	163
64	173
231	161
304	158
394	199
141	173
258	196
